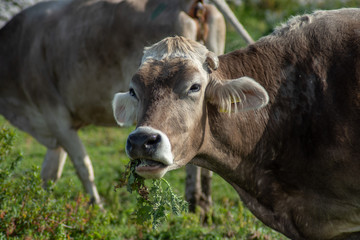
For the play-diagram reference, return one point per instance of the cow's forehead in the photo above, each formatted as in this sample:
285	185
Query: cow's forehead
167	71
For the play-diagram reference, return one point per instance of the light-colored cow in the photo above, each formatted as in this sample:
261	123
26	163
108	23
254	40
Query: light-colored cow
61	62
288	141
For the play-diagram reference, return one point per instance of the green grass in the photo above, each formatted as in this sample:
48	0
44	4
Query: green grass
230	220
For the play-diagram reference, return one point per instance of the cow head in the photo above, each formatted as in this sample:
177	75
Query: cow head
168	100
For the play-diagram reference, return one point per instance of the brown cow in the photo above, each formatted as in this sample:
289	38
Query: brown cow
288	141
61	62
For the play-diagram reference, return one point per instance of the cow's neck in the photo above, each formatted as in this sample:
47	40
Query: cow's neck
269	140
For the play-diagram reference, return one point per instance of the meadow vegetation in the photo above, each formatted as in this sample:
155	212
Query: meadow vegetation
27	211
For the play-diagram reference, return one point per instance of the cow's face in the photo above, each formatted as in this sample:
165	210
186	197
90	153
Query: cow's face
168	99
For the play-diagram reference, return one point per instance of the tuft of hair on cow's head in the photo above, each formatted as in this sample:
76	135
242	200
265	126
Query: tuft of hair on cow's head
180	47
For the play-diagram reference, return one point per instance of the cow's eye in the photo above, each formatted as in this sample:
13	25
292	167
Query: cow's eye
132	93
195	88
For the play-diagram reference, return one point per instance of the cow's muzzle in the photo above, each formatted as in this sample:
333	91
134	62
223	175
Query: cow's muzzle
152	149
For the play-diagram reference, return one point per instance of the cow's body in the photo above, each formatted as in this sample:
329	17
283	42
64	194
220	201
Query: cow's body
294	162
62	61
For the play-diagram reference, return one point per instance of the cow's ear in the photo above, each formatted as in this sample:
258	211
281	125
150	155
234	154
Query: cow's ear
212	61
124	108
237	95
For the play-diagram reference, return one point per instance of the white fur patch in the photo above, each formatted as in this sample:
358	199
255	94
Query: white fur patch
124	109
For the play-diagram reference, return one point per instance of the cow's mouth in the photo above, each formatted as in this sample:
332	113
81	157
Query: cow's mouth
150	168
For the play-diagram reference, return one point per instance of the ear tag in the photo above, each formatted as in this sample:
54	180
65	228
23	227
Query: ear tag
236	100
223	110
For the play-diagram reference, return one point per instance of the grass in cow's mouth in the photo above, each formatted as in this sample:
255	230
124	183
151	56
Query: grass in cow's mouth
154	203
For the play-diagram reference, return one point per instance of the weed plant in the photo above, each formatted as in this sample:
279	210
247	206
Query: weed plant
27	211
152	205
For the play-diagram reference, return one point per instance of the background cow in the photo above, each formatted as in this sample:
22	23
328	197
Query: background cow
62	61
288	142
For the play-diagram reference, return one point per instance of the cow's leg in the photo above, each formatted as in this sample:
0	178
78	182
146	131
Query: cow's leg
77	153
198	190
53	164
192	186
206	200
59	120
206	176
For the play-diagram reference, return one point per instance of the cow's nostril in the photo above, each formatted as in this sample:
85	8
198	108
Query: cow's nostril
153	140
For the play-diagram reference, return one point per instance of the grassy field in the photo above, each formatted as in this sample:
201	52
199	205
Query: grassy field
28	212
230	220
